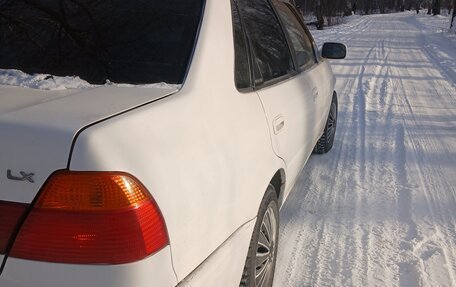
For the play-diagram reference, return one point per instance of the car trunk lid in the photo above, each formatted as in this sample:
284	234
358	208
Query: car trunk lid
37	129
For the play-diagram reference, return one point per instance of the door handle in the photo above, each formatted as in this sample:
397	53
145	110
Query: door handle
279	124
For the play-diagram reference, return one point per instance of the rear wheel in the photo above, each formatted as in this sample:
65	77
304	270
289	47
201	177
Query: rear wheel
326	141
261	258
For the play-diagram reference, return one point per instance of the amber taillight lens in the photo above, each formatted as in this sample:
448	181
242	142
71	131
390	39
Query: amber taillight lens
91	218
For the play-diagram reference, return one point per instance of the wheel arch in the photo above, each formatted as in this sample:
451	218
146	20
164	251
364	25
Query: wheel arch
278	181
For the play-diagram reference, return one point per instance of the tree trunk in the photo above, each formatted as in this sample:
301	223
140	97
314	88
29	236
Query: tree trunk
436	7
319	14
453	18
381	7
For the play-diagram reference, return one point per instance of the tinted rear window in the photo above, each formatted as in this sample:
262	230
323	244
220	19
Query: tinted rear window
134	41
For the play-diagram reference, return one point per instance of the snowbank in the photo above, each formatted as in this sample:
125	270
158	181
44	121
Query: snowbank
48	82
41	81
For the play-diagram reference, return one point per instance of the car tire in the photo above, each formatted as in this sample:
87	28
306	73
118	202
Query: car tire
326	141
262	255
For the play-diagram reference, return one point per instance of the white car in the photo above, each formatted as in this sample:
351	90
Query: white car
109	178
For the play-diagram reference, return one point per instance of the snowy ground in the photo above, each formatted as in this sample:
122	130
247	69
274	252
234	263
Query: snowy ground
380	208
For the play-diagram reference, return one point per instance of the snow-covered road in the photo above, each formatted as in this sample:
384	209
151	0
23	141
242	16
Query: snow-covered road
380	208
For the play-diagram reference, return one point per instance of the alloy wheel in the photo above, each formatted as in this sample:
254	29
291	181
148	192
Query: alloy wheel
266	249
332	122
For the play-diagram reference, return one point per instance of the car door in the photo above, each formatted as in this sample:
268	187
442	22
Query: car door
282	81
317	72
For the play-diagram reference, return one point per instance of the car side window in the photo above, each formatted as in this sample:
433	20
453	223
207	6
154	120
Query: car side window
241	62
269	44
302	45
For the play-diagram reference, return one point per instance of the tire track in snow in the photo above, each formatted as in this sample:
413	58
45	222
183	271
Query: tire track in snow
380	122
438	244
309	239
421	144
409	273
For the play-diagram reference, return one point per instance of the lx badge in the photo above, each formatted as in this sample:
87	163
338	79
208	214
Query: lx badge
24	176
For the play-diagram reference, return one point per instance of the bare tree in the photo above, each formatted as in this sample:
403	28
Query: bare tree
429	7
319	14
453	18
436	6
329	11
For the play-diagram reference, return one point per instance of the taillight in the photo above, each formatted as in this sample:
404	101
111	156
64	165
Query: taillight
91	218
10	216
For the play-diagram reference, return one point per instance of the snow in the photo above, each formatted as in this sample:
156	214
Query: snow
46	82
40	81
380	208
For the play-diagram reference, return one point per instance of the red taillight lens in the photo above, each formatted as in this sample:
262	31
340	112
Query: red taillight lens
91	218
10	215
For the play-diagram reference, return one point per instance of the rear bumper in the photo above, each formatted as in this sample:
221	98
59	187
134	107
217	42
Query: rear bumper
156	270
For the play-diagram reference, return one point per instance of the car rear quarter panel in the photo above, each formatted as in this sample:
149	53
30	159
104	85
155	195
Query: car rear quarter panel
204	153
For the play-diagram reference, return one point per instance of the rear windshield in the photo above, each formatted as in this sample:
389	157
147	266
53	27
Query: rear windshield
119	41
